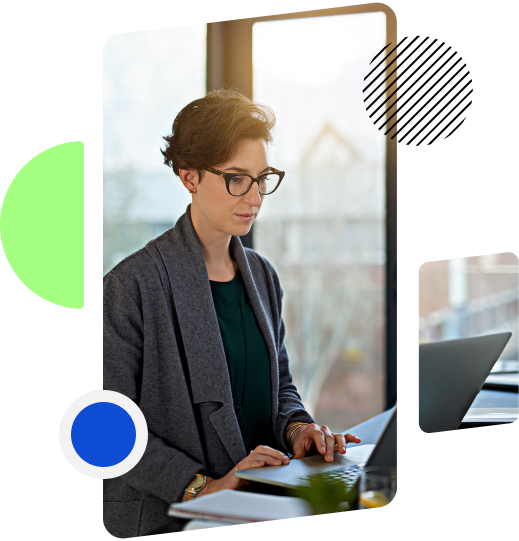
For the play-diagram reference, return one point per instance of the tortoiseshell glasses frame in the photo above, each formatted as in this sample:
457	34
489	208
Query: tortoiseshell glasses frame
229	176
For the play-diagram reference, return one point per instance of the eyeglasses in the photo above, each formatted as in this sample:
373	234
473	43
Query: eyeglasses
240	183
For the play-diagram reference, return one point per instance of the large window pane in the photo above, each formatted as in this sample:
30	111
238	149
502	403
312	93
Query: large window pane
471	296
148	78
324	229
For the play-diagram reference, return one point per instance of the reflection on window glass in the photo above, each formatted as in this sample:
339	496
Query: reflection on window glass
469	297
324	228
148	78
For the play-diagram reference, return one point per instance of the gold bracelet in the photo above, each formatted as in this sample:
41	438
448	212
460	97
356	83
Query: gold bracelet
289	429
297	424
293	429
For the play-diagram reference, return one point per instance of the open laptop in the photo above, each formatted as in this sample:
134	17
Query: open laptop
452	372
345	468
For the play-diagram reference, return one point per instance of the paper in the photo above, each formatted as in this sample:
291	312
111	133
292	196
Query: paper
238	507
202	525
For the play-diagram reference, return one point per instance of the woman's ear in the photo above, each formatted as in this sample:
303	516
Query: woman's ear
189	178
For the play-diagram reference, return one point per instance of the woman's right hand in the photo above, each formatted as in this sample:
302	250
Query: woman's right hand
261	456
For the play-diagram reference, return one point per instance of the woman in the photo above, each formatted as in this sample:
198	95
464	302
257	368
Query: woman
193	330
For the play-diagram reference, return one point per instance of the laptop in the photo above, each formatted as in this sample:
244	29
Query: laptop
345	468
452	372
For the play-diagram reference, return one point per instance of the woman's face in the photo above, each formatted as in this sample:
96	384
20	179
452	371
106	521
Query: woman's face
214	208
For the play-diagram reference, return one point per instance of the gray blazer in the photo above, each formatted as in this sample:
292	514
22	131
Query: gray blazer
163	349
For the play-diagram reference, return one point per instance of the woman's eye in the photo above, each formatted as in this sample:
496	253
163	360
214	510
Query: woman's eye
239	180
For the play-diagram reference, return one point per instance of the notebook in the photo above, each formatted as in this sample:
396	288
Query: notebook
344	468
235	507
451	375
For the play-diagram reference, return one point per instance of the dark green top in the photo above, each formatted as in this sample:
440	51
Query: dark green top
247	360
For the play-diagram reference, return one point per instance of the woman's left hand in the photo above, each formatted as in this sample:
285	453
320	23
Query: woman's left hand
311	438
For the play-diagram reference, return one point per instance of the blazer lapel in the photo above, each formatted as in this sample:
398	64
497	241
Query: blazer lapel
184	261
256	291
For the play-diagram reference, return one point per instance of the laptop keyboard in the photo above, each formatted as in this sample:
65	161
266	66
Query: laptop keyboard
346	476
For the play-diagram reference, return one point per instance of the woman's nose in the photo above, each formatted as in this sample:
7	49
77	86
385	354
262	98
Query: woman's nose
253	197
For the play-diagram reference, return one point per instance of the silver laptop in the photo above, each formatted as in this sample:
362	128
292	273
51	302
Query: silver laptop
452	372
345	468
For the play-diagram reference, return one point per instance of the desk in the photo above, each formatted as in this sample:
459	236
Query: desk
507	381
369	431
492	407
496	399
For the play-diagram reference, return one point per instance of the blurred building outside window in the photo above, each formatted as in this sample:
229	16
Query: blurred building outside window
324	228
148	78
471	296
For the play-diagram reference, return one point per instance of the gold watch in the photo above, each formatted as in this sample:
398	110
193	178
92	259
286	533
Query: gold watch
195	486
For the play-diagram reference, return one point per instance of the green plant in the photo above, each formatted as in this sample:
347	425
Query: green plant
326	496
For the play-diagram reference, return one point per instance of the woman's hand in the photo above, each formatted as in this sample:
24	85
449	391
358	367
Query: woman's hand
311	438
261	456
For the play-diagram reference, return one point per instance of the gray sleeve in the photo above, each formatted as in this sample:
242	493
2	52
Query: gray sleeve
163	471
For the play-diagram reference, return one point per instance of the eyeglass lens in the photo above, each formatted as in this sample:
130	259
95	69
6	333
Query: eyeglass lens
239	184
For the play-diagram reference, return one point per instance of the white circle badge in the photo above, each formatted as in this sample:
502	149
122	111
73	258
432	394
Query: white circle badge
103	434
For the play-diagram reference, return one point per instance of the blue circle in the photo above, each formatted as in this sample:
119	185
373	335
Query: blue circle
103	434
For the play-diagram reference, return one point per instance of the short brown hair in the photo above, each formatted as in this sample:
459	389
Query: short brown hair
206	132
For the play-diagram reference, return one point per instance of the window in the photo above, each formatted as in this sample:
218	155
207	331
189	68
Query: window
324	229
148	78
469	297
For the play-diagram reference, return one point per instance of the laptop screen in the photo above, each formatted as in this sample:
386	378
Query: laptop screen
384	453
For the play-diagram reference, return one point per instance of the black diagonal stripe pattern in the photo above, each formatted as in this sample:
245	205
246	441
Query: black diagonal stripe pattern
380	88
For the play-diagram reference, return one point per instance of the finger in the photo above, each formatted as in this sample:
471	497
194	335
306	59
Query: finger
278	455
254	463
340	443
327	443
330	446
272	461
319	440
350	438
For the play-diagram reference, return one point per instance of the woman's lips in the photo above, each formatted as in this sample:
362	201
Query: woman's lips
245	217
